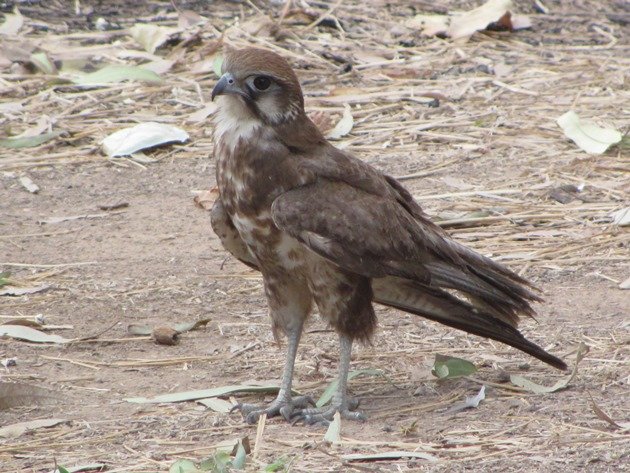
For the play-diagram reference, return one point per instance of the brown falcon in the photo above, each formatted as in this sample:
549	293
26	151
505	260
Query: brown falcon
327	229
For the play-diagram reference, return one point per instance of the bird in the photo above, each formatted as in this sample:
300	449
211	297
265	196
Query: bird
327	229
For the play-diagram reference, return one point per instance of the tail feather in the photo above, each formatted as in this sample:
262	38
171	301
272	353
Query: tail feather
440	306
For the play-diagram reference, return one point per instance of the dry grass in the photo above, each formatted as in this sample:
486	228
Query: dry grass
489	162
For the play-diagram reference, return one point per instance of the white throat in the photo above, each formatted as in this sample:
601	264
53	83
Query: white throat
233	122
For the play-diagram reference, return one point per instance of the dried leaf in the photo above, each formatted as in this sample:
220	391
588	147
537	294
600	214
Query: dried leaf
12	23
588	136
602	415
137	329
43	63
142	136
430	25
29	141
165	336
69	218
20	394
29	334
188	18
8	290
16	430
24	322
344	126
150	36
205	199
560	384
203	393
28	184
333	434
625	284
216	404
621	217
332	387
188	326
116	73
201	114
470	402
447	367
394	455
466	24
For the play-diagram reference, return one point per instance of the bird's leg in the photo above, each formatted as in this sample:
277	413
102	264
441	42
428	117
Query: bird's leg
340	401
284	404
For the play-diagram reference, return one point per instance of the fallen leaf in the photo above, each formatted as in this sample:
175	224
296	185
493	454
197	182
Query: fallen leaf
9	290
29	334
137	329
116	73
142	136
203	113
165	336
560	384
430	25
188	326
188	18
591	138
88	467
447	367
344	126
24	322
621	217
332	387
240	457
28	184
625	284
29	141
43	63
12	23
470	402
602	415
69	218
150	36
394	455
205	199
466	24
185	466
21	394
16	430
333	434
203	393
216	404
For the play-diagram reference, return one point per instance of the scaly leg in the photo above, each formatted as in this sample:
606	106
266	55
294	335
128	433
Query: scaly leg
284	404
340	401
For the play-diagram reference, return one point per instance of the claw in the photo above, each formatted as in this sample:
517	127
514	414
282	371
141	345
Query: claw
284	407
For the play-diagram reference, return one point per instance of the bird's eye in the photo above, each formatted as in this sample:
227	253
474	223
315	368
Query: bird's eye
262	82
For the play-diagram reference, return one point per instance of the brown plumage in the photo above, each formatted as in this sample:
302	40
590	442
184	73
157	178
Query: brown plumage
325	228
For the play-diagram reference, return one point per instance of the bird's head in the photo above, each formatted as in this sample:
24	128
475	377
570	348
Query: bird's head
259	83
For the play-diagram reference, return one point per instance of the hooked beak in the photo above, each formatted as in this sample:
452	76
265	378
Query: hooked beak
227	85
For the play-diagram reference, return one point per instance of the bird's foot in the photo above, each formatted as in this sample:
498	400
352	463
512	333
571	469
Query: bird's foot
284	407
324	415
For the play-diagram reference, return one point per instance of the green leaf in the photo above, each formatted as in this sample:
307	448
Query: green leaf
240	458
217	64
4	278
184	466
278	465
90	467
42	63
218	463
29	141
117	73
61	469
202	393
333	434
332	387
447	367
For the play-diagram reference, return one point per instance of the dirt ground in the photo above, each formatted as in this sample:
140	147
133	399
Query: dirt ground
490	156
